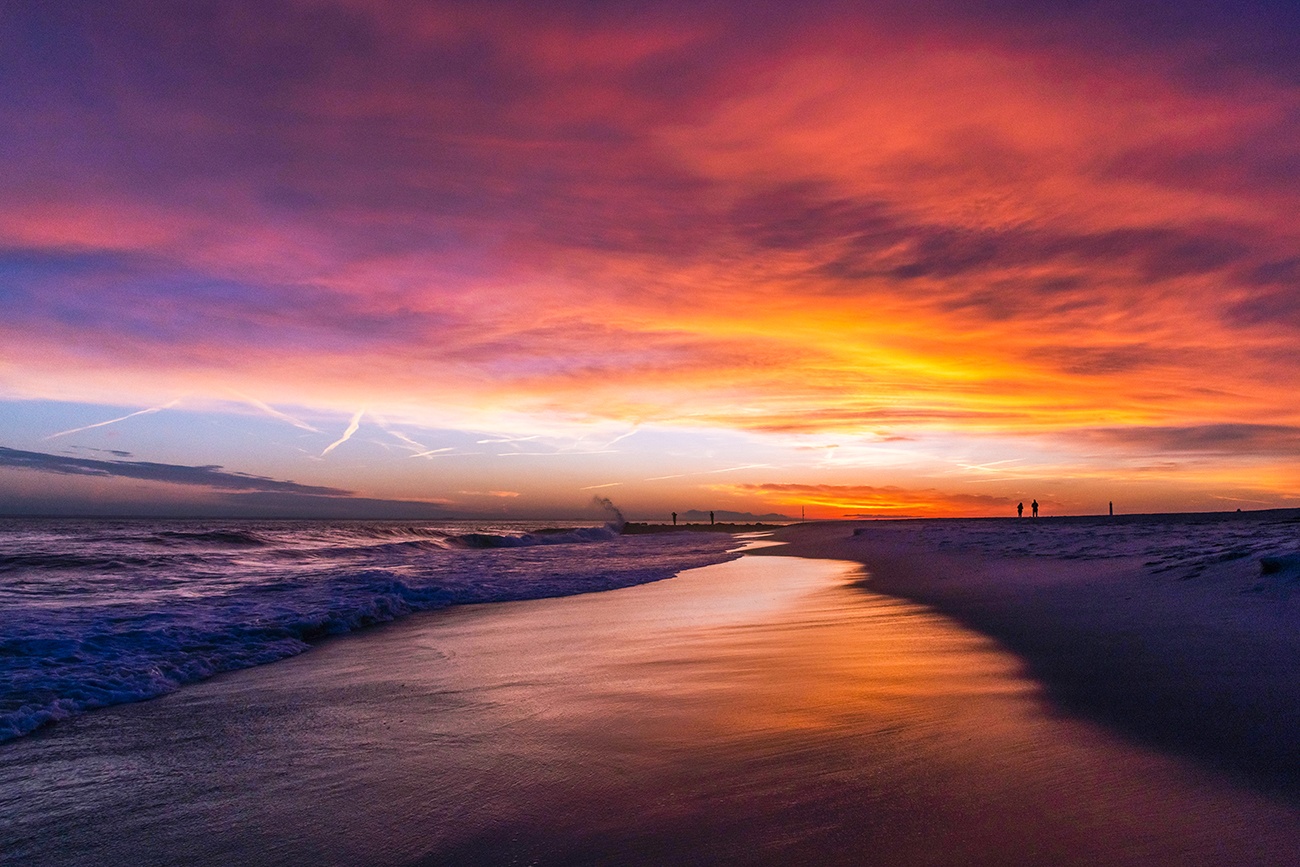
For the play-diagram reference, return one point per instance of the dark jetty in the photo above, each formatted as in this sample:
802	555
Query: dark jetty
631	528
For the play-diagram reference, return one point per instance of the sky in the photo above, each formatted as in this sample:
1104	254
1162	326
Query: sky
390	259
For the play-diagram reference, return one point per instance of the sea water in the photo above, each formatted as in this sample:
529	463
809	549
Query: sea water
99	612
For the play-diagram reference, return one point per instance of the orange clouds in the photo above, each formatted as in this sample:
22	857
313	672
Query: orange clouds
859	220
837	501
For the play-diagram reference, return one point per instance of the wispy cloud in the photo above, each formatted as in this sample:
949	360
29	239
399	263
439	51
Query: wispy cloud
1204	439
620	438
212	476
561	453
418	449
709	472
150	411
347	434
990	467
118	453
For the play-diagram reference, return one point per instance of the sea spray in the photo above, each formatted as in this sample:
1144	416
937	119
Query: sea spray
617	522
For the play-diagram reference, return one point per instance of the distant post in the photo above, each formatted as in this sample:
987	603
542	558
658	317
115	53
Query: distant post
1112	508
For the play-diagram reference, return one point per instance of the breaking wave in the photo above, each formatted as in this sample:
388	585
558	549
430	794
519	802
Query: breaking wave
97	613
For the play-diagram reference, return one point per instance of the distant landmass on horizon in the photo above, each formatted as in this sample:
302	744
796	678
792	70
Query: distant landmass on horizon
692	515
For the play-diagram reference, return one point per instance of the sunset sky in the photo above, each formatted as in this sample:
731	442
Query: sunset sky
494	258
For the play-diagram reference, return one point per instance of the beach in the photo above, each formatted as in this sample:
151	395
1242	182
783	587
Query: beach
771	709
437	432
1167	628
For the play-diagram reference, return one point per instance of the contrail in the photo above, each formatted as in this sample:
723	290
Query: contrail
710	472
404	438
148	411
606	485
273	412
985	468
620	437
432	452
347	434
555	454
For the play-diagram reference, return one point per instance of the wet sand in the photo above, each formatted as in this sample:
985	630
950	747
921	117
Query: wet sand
766	710
1162	627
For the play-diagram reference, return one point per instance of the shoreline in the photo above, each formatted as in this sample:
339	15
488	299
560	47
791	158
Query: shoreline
764	710
1198	660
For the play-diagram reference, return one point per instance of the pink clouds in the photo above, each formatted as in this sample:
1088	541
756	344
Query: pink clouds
840	219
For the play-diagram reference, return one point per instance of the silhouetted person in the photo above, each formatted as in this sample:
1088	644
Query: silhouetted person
1020	510
674	519
1034	506
1112	508
710	519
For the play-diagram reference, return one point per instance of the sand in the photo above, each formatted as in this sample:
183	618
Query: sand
1163	627
770	710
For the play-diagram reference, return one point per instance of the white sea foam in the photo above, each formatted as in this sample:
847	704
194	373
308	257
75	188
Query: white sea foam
96	613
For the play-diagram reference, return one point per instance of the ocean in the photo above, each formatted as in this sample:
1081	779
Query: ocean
97	612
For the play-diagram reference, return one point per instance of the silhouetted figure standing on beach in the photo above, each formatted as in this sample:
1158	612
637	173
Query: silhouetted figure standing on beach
1112	508
674	519
710	519
1034	506
1020	510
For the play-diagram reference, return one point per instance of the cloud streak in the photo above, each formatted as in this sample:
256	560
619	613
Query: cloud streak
432	453
213	477
709	472
150	411
352	428
275	413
